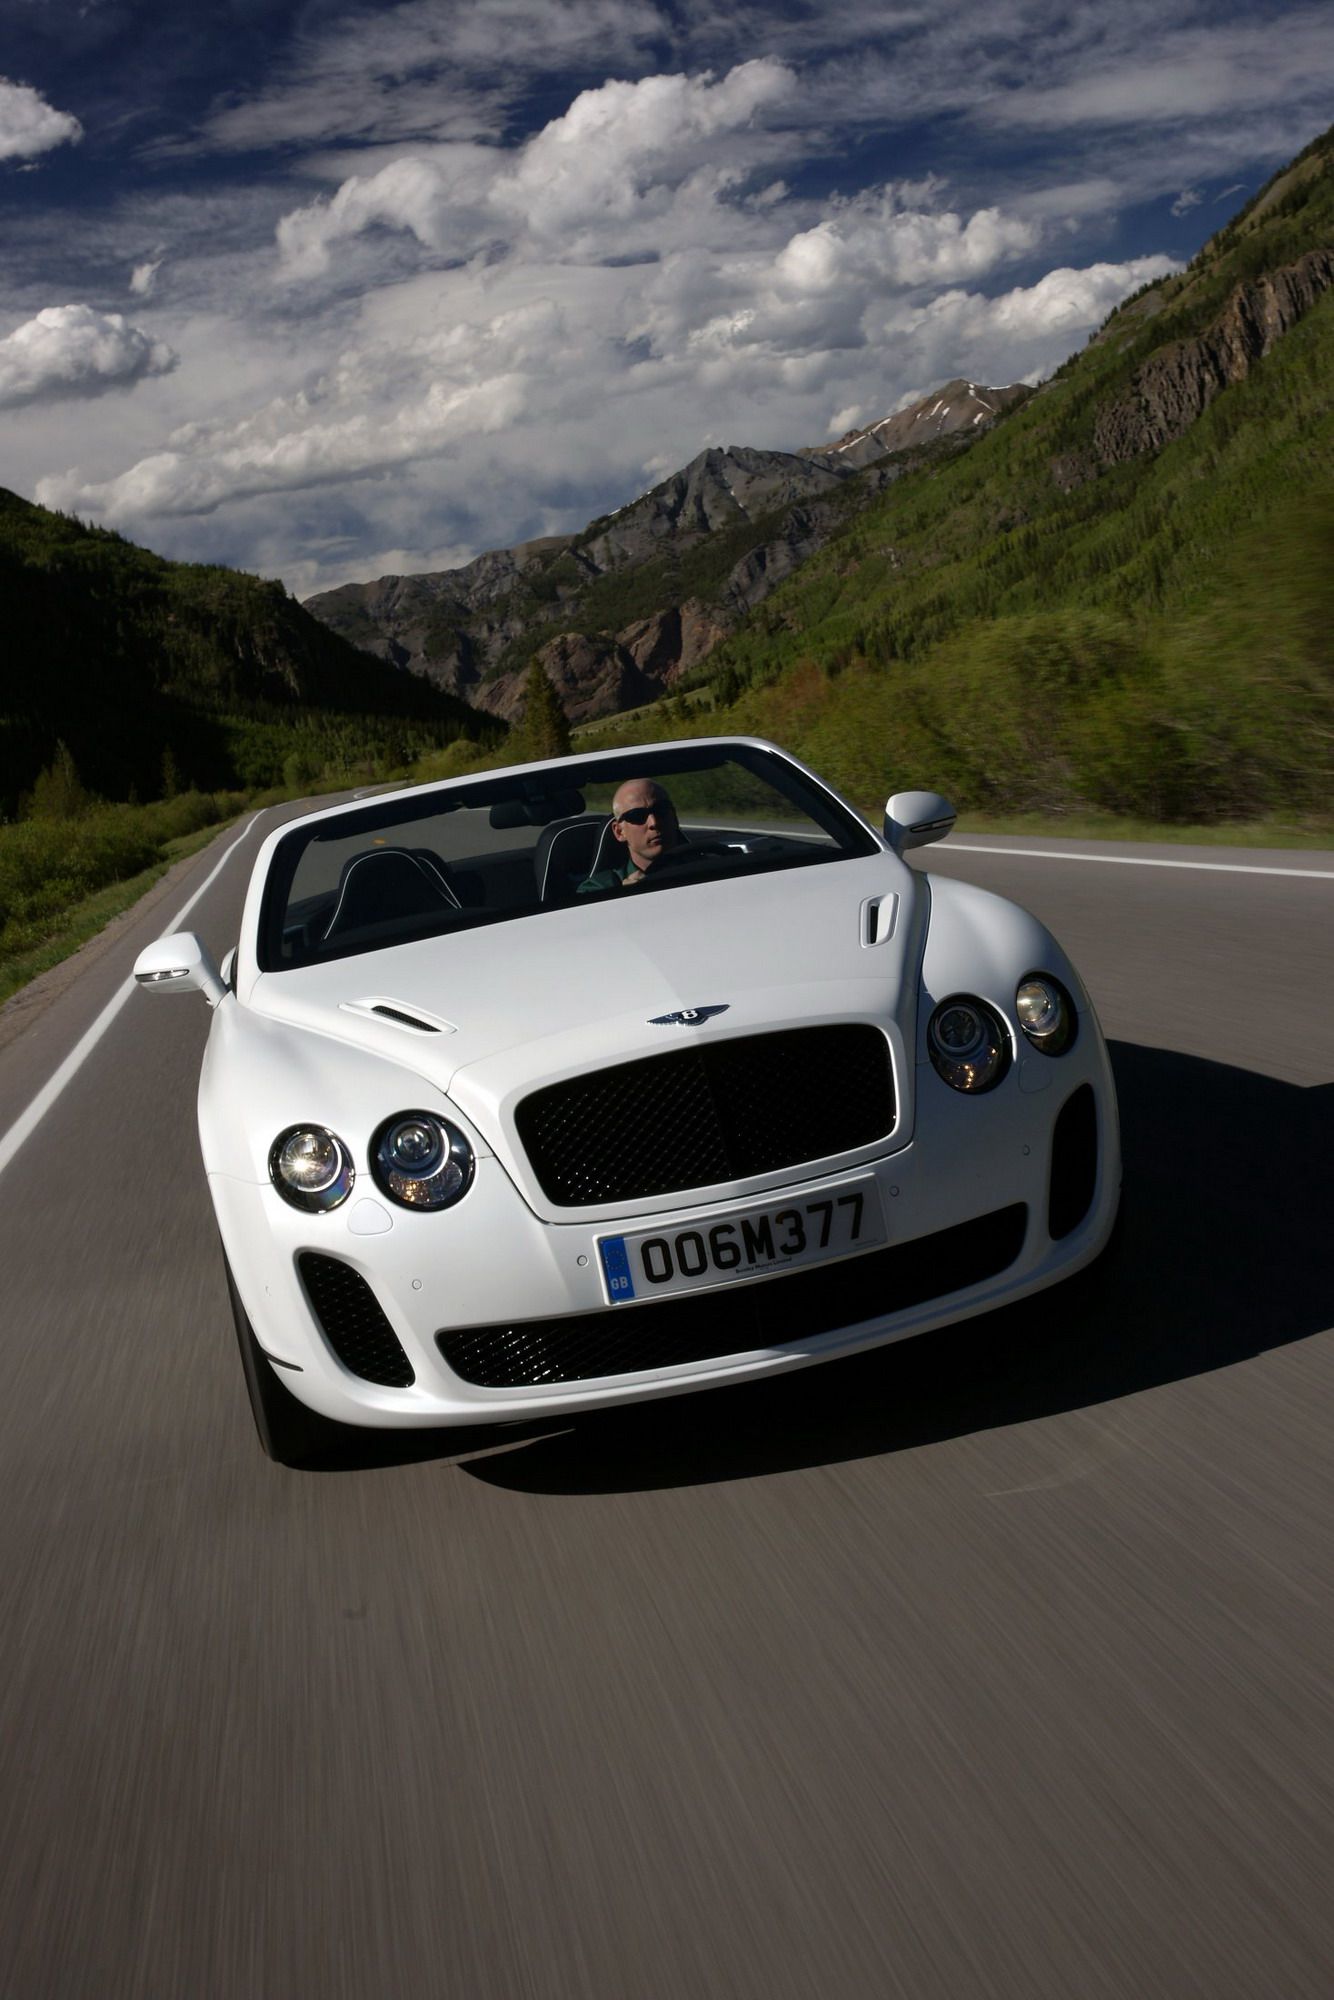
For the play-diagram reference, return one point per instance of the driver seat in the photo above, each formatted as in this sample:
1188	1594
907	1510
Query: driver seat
568	852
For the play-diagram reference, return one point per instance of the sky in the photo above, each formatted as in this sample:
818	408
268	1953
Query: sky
334	291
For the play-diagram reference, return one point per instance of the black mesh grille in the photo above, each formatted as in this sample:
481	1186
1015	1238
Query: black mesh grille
720	1112
734	1320
1074	1162
353	1323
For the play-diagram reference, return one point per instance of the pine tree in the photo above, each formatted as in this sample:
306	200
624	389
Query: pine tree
544	730
58	792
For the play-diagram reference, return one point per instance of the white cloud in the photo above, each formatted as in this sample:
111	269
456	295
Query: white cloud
623	156
1020	334
74	351
1188	199
1171	77
492	339
466	382
1068	202
446	330
849	419
621	145
875	240
741	314
424	71
29	125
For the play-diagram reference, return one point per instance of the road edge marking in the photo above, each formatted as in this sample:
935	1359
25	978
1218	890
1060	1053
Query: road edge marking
1135	861
27	1121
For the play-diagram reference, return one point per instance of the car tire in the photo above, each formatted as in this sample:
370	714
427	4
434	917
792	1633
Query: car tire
289	1433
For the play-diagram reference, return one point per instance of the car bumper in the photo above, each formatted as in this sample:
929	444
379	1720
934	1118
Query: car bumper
490	1275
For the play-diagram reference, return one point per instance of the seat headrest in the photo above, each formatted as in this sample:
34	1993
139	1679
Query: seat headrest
384	883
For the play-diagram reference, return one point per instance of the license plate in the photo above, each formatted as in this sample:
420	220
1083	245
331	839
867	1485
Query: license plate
750	1243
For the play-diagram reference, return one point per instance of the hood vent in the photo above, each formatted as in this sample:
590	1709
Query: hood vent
406	1020
401	1014
879	915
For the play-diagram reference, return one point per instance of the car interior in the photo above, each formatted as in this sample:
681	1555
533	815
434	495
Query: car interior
454	859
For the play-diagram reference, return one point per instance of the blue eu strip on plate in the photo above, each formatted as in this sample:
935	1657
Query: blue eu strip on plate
616	1267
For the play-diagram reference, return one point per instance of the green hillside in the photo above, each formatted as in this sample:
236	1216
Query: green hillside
159	675
1068	618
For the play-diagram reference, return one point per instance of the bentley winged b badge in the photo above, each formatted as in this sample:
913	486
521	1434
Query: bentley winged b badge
686	1017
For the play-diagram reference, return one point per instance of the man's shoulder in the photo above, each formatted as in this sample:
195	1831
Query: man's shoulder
606	878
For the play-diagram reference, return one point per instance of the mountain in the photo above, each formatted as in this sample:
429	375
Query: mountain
1120	599
620	612
153	672
959	406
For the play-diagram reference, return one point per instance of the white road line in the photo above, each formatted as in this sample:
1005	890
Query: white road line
1136	861
28	1121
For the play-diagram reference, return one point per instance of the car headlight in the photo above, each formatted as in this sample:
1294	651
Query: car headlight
311	1168
968	1044
1046	1013
419	1160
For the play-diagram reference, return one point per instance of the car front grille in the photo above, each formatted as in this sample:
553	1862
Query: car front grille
720	1111
768	1312
353	1322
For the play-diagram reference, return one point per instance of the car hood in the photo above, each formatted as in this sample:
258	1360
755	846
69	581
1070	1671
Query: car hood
489	1014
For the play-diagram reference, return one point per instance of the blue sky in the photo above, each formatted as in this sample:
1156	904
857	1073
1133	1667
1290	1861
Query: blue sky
332	291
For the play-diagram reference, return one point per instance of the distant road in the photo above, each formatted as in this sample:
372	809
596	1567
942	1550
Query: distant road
995	1664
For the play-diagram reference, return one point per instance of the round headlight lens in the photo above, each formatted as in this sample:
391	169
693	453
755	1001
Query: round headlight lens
1046	1013
311	1168
421	1161
415	1146
968	1044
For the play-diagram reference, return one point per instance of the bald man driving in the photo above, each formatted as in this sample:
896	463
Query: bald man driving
644	820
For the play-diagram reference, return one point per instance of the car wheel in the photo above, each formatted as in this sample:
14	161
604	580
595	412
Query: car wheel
289	1432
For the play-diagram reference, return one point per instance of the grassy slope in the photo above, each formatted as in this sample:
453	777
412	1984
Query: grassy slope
1150	643
126	657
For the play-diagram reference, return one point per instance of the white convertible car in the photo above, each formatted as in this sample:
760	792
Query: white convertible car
493	1132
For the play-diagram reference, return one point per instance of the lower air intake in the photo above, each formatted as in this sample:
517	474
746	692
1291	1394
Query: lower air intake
1074	1162
671	1333
353	1323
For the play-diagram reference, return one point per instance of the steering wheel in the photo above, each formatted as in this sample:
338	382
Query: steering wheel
681	857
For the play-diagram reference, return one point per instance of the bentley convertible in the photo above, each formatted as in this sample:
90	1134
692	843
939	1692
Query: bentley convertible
498	1125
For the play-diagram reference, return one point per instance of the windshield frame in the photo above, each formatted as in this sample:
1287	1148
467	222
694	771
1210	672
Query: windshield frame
536	785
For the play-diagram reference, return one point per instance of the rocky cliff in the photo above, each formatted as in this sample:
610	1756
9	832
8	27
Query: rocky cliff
1175	385
619	612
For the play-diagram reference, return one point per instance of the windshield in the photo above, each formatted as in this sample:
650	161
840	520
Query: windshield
501	847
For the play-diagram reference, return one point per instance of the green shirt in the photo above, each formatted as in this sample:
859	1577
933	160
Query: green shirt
606	878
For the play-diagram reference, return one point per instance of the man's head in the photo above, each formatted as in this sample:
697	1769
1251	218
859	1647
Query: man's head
644	817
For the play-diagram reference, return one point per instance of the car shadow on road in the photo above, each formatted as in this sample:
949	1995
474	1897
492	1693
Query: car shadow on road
1225	1252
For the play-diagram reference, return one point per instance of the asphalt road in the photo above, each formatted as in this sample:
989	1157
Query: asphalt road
994	1664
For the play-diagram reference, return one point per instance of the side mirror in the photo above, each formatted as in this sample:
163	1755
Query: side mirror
915	819
176	964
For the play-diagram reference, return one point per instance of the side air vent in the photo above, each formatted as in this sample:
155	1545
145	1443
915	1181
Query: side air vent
353	1321
1074	1163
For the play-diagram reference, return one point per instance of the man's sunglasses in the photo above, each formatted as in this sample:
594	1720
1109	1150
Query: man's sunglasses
641	815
